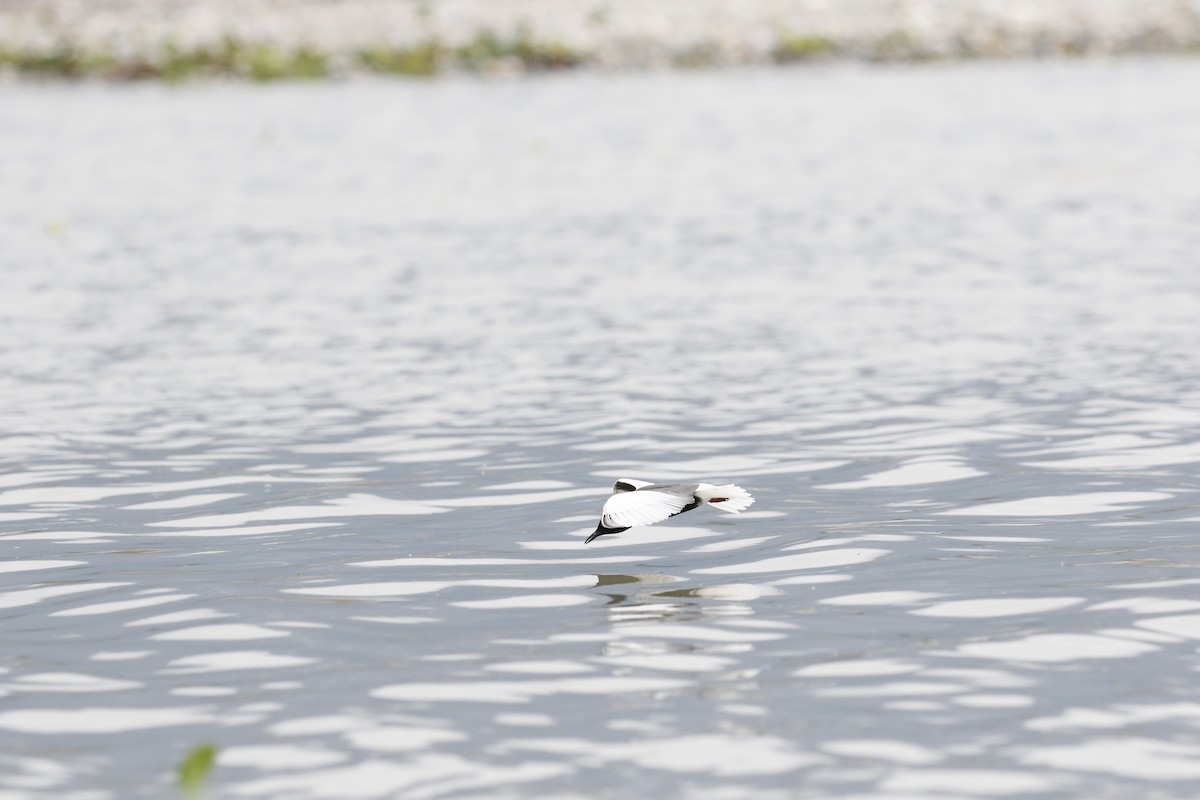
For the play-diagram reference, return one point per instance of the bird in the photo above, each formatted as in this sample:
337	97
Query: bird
635	503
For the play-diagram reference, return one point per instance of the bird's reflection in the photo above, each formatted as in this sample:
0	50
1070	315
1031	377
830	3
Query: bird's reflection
616	598
646	600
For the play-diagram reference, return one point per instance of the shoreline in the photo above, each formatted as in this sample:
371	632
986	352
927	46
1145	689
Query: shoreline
177	40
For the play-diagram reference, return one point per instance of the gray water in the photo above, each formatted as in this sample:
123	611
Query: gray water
309	396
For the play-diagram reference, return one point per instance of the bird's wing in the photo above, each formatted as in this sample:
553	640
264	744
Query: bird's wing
643	507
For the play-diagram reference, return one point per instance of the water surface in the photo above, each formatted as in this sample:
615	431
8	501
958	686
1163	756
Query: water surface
310	394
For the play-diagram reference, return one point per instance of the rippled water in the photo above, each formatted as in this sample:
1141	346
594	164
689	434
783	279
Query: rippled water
310	395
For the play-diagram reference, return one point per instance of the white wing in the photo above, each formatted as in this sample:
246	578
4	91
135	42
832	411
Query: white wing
643	507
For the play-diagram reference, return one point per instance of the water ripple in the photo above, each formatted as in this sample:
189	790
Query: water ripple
307	416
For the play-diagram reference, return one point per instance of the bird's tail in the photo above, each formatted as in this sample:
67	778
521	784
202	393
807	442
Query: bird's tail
727	498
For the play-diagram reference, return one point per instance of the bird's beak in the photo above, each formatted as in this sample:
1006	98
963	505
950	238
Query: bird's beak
598	532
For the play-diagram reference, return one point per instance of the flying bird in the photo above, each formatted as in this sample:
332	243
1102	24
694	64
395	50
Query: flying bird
635	503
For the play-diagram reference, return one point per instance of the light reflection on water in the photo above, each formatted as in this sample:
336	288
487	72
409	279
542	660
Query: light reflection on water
303	433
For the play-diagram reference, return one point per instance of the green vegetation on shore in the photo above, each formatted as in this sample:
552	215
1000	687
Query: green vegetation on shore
233	58
790	47
488	52
423	60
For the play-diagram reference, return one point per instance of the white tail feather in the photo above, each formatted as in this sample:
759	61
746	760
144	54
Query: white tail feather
733	499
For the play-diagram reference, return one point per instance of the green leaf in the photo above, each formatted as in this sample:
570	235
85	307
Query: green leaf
194	769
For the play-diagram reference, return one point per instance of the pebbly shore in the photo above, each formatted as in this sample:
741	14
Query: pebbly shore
177	39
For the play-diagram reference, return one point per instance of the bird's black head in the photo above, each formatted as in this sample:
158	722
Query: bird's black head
602	531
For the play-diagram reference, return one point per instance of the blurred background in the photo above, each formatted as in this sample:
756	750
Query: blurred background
175	39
